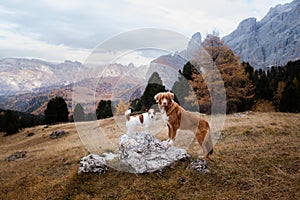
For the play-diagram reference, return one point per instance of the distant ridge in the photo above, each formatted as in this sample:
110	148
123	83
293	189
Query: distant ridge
22	75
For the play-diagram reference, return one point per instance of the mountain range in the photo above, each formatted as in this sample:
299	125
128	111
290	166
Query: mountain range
272	41
27	75
28	84
21	75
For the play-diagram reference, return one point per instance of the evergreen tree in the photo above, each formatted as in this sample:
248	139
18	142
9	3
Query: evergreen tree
56	111
100	109
290	101
2	117
263	89
104	109
249	70
182	90
278	85
109	109
78	114
188	71
11	123
135	105
153	87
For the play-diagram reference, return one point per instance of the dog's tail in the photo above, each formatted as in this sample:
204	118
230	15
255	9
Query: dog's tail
127	114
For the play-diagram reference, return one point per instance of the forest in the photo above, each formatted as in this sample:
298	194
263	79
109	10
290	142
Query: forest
274	89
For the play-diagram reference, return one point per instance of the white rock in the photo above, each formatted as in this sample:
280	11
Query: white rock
144	153
93	163
200	166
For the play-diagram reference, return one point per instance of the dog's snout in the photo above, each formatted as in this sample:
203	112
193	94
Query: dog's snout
164	102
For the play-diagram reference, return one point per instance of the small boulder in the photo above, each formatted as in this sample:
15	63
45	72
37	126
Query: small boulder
93	163
200	166
29	134
57	133
17	155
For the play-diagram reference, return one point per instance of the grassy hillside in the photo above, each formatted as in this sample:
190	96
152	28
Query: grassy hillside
257	157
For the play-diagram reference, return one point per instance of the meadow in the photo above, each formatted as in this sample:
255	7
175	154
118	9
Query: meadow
256	157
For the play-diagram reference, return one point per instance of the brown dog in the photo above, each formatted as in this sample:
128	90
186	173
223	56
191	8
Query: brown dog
178	118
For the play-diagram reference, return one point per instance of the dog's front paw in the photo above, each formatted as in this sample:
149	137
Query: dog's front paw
167	143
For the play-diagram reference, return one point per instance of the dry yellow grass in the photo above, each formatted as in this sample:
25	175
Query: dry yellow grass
256	157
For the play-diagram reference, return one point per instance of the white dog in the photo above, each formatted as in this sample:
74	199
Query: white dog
146	119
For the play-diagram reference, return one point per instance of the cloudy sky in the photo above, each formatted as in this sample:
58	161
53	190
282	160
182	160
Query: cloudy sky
58	30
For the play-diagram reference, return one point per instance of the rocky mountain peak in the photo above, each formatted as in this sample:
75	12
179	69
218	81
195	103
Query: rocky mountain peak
194	45
247	26
272	41
196	38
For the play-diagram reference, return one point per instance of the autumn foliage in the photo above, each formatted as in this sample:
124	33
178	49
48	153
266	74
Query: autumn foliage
202	77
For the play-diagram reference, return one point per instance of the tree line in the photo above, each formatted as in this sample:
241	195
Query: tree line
12	121
273	89
279	87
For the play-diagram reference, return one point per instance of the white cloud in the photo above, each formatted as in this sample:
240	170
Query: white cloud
191	16
6	11
59	30
13	44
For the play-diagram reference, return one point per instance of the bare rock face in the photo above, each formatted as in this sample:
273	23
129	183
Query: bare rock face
168	65
273	41
144	153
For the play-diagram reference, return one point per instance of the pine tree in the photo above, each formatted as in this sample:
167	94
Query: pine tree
78	114
100	109
2	117
182	90
56	111
104	109
153	87
290	97
11	123
263	89
108	111
188	71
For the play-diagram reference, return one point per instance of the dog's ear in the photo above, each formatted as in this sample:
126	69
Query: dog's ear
156	97
171	95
